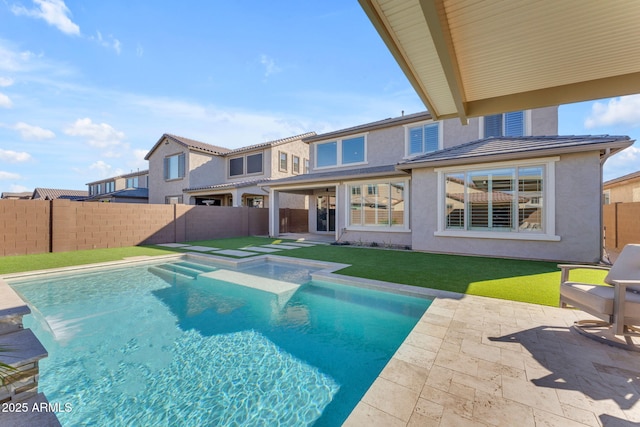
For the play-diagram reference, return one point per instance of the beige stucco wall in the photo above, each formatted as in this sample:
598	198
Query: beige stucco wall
158	187
293	148
387	146
624	192
577	217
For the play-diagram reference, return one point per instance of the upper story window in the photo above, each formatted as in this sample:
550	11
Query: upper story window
422	138
507	124
174	166
347	151
245	165
109	187
283	161
295	164
306	165
132	182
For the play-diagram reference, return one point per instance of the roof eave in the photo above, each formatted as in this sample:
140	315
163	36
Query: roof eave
614	148
335	178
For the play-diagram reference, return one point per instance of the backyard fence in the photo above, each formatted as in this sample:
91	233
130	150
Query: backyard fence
37	226
621	223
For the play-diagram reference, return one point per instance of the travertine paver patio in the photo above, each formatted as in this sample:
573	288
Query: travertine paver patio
477	361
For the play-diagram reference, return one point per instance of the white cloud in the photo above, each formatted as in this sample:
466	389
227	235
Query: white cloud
14	156
623	163
33	133
105	170
110	42
8	176
98	135
15	188
139	50
5	81
5	101
54	12
270	66
624	110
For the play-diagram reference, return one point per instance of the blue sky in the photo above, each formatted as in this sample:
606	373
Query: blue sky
87	88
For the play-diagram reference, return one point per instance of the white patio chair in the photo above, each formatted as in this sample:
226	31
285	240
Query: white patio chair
617	305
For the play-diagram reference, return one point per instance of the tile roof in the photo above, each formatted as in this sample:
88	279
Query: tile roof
133	193
338	174
495	148
198	145
20	195
380	124
623	178
272	143
237	184
126	175
55	193
222	151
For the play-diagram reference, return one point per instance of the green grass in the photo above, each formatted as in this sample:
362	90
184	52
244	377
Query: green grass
518	280
20	263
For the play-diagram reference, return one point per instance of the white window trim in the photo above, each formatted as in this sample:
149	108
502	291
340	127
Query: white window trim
549	212
280	168
407	128
378	228
527	124
338	142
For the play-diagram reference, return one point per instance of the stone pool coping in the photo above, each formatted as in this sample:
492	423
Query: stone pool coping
476	361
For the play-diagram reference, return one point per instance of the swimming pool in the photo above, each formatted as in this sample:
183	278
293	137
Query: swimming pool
191	343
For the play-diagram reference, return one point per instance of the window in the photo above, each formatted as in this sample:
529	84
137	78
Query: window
109	187
342	152
245	165
282	161
327	154
174	166
295	164
132	182
173	200
423	138
502	199
236	166
606	197
377	205
306	165
254	163
507	124
353	150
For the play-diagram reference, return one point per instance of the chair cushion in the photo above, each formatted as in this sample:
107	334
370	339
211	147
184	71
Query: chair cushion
600	298
626	267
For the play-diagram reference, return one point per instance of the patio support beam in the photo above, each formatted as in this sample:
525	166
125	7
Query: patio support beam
274	213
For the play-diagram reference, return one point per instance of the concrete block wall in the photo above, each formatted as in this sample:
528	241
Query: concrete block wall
621	225
25	227
31	227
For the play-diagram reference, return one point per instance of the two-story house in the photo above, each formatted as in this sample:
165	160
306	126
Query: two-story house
182	170
126	188
487	188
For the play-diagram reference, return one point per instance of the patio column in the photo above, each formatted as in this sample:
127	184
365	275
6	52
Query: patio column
338	213
274	213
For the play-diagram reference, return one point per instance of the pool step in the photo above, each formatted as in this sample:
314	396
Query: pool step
203	268
179	270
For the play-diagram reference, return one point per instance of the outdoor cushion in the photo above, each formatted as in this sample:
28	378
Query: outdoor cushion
626	267
600	298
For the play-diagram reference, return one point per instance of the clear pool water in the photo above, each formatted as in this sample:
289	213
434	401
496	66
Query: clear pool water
167	345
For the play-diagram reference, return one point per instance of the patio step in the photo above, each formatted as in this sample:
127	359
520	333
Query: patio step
179	270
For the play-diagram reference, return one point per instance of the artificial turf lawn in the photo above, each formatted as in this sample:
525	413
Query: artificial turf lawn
534	282
19	263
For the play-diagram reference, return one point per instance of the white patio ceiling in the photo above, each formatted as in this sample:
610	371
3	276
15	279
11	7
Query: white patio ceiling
469	58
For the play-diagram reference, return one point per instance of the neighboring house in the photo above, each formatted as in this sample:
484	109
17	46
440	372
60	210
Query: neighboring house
127	188
487	188
625	189
25	195
54	193
186	171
